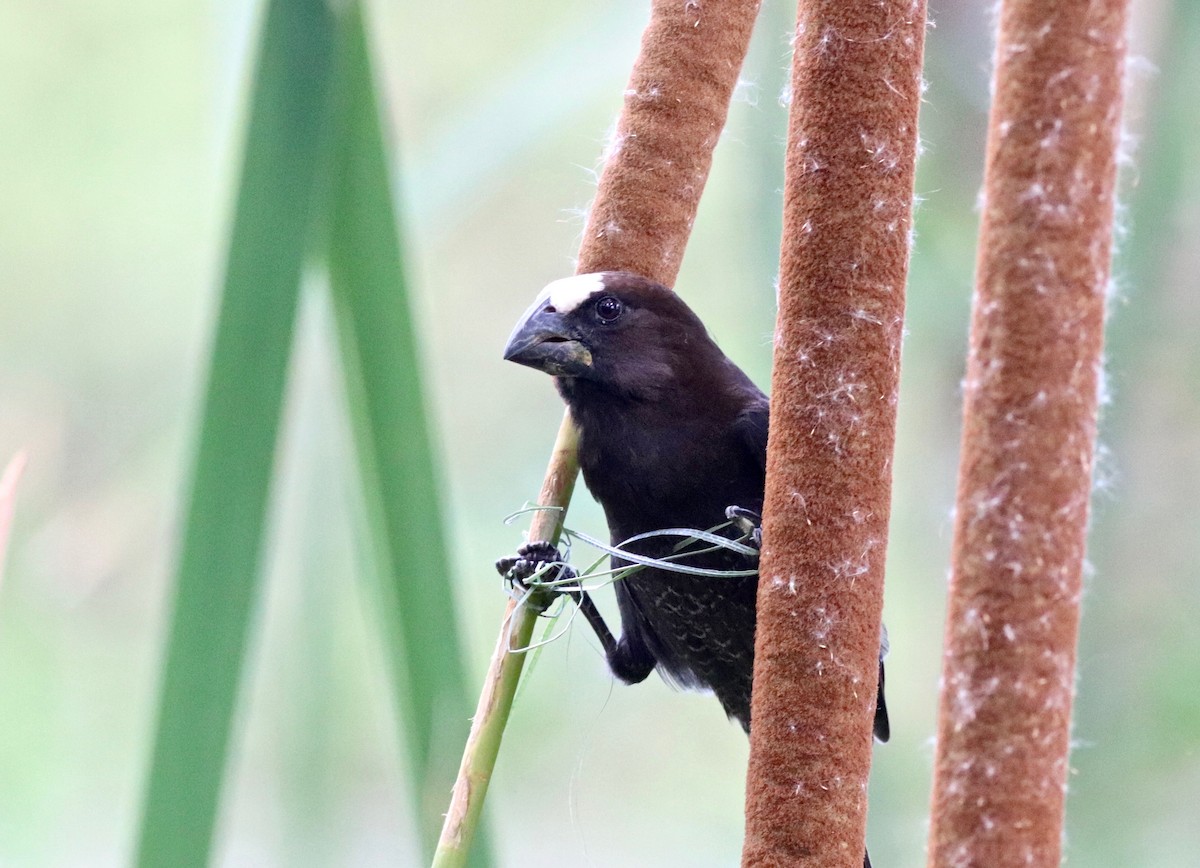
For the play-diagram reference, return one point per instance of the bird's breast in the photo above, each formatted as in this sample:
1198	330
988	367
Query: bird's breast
681	477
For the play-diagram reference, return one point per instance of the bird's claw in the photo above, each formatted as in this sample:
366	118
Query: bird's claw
530	559
748	521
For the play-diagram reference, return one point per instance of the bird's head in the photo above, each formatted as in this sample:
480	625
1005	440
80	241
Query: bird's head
619	331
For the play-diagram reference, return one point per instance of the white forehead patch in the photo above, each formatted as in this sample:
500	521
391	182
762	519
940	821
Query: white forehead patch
568	293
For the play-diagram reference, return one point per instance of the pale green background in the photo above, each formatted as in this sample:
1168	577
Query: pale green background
119	143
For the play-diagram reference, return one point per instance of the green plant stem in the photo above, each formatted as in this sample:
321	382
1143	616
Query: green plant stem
504	673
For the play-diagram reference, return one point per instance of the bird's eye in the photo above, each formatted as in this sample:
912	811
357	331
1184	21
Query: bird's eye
609	308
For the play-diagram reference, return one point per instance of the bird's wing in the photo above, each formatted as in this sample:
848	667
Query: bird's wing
751	429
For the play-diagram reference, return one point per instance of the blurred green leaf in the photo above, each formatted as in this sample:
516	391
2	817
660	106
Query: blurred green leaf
218	570
314	155
401	489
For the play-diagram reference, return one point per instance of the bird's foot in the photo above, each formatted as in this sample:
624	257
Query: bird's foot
748	521
530	560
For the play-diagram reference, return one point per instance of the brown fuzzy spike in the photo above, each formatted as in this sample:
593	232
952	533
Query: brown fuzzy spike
675	108
1029	434
847	211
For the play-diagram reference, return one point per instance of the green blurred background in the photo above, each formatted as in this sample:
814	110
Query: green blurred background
119	150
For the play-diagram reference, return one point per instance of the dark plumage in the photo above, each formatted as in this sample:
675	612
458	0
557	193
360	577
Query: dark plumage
672	433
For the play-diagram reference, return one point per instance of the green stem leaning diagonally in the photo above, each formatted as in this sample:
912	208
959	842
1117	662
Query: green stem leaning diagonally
504	673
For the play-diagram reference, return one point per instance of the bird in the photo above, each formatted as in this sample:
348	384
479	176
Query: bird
672	434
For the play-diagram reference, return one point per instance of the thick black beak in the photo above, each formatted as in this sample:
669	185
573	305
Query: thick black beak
543	339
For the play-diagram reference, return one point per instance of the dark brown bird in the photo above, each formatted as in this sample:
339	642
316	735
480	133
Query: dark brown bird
671	435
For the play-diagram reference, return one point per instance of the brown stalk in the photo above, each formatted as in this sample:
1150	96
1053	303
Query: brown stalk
844	259
1029	434
674	110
